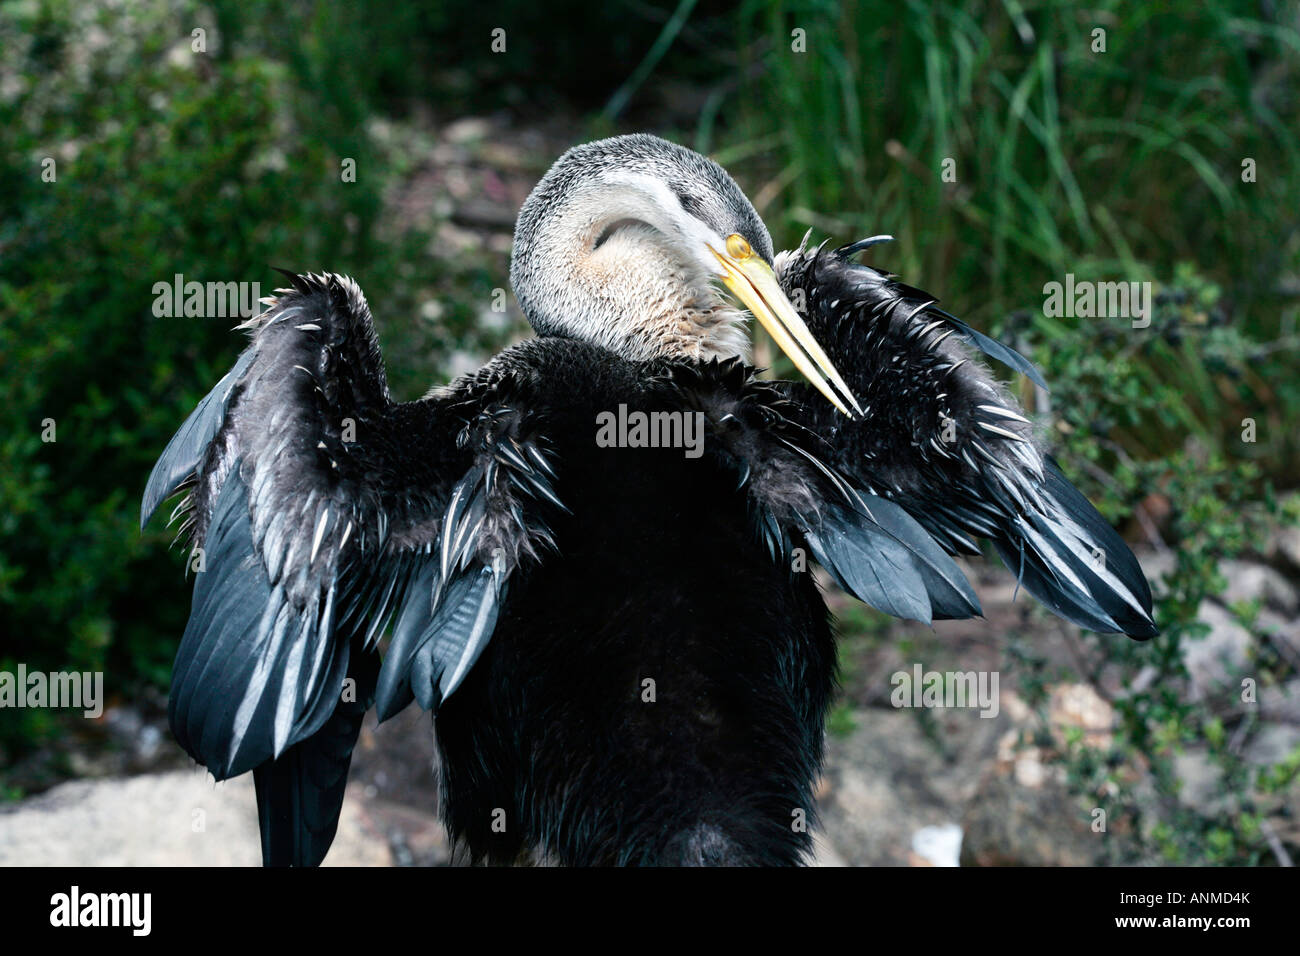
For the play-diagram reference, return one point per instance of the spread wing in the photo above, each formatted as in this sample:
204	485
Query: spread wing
799	496
943	442
321	511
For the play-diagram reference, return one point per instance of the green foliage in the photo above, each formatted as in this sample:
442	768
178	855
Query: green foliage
1219	508
840	722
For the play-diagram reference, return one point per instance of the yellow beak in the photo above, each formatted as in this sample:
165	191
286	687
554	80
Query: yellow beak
754	283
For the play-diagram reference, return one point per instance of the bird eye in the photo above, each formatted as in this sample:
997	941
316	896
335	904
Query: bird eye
737	247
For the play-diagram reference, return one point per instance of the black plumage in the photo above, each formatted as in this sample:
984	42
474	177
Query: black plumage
628	660
988	479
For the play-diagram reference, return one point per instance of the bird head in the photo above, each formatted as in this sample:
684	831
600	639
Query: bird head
651	250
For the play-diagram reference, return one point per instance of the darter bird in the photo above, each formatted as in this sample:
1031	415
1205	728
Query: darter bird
590	558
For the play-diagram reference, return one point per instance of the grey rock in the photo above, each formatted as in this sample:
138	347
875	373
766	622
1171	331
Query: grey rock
179	818
887	780
1009	824
1201	779
1272	744
1281	704
1155	565
1287	542
1248	581
1215	660
940	846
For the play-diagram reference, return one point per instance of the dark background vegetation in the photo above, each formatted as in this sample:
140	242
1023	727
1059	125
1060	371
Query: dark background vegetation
1116	165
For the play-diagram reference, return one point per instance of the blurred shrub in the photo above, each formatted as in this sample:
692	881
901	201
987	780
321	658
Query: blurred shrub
1215	506
462	57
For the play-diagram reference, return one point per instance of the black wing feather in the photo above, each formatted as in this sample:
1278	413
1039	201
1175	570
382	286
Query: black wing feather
995	349
179	463
434	645
253	676
883	557
300	794
452	608
311	539
889	288
871	546
941	439
1077	565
